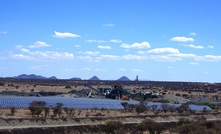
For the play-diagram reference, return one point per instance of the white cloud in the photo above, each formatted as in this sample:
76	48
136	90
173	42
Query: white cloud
122	69
209	58
39	44
182	55
182	39
77	46
136	70
141	52
164	50
192	34
96	41
210	46
169	67
39	67
65	35
19	47
43	55
193	63
103	41
171	57
194	46
109	57
3	32
165	58
86	69
88	58
67	70
101	70
24	50
141	45
115	41
22	57
91	53
52	55
133	57
104	47
109	25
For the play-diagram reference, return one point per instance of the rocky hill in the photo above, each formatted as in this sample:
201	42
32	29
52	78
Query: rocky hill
123	78
94	78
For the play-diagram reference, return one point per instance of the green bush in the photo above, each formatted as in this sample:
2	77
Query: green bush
178	94
68	86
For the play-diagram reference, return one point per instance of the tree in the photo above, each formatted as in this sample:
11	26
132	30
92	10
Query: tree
36	107
46	111
13	110
58	109
66	110
153	107
183	108
172	109
165	107
140	108
124	104
131	106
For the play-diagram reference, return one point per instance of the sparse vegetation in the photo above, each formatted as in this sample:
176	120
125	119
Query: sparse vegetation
68	86
57	110
113	127
13	110
199	118
140	108
36	107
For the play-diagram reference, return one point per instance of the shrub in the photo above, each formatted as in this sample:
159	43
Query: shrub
58	109
46	111
178	94
187	128
211	105
111	127
13	110
183	121
153	107
68	86
36	107
153	127
2	83
164	100
165	107
140	108
124	104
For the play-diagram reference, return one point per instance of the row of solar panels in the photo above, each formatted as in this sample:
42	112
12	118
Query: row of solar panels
191	106
81	103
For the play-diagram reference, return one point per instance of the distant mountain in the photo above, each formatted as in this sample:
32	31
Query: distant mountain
75	78
52	77
94	78
123	78
33	76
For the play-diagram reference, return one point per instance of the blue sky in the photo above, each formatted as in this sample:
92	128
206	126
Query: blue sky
165	40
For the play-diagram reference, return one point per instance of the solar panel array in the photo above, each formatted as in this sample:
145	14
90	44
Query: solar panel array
191	106
80	103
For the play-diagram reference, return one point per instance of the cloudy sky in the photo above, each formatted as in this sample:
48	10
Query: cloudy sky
162	40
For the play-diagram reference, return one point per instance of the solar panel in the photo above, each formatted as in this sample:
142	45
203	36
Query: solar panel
191	106
81	103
